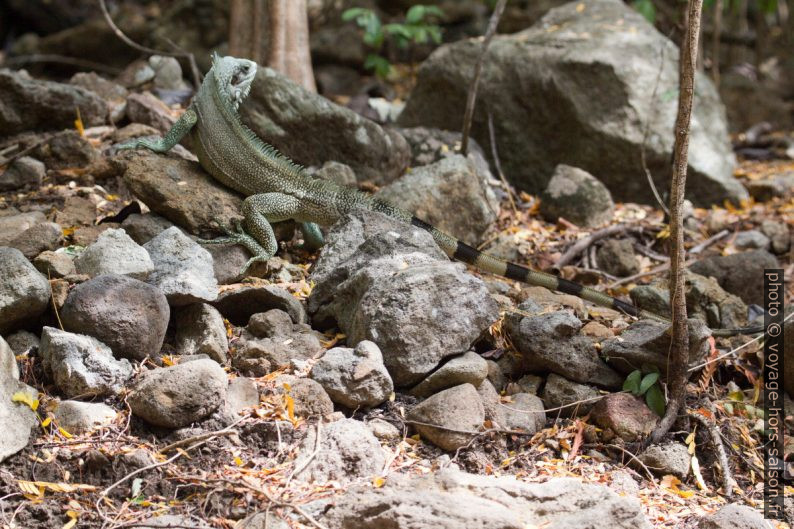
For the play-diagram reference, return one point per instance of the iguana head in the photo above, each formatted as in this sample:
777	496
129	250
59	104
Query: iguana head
233	77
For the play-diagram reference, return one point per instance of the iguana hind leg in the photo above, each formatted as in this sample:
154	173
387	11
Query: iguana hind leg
171	138
256	233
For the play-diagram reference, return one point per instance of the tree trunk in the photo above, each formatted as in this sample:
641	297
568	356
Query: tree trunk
274	33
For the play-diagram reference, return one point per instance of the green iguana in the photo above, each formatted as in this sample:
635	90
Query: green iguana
277	189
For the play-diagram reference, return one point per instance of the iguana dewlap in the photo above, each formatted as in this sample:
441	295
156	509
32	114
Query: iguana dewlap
277	189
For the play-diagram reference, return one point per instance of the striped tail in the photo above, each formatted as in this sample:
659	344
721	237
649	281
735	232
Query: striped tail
461	251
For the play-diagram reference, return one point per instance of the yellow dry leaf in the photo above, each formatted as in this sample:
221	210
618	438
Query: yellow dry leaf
46	422
168	361
72	520
38	487
238	461
68	232
78	123
25	398
695	464
378	482
64	433
290	407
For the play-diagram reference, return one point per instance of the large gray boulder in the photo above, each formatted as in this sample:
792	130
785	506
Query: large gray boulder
312	130
383	280
576	88
451	194
29	104
451	499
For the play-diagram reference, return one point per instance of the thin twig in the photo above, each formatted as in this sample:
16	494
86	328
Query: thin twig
733	351
722	457
636	460
277	502
134	473
708	242
647	131
129	42
195	438
495	154
475	81
26	150
298	469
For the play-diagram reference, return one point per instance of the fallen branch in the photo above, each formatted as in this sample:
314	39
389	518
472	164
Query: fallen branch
583	244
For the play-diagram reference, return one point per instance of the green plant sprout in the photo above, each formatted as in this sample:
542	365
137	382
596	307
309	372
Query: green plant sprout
647	385
417	28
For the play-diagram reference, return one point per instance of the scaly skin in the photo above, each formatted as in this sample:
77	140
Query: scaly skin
277	189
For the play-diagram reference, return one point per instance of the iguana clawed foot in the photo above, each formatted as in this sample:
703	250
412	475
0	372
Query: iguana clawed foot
238	235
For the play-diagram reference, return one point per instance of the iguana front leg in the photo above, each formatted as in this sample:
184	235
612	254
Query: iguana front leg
182	126
256	233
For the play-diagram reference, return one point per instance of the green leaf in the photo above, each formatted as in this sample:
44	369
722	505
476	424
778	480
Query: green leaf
655	400
373	26
399	30
433	11
420	35
379	64
646	9
373	40
632	382
435	33
354	12
415	14
648	381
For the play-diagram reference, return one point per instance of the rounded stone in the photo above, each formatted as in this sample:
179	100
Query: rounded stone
179	395
128	315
